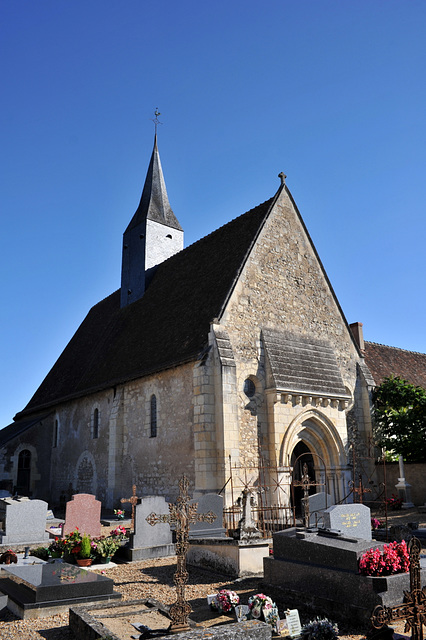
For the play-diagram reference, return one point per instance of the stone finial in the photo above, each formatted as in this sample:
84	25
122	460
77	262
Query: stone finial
282	177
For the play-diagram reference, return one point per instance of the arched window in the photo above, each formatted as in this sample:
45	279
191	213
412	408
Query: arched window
96	423
249	388
56	433
153	417
24	471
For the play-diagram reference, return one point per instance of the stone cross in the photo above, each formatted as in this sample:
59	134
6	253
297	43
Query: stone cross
306	483
133	501
181	514
413	610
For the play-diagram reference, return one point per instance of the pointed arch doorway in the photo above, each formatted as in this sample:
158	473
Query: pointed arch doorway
313	434
301	455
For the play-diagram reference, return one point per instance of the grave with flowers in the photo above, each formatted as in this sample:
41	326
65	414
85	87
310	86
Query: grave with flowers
342	576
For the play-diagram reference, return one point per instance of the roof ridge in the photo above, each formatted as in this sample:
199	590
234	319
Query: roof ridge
388	346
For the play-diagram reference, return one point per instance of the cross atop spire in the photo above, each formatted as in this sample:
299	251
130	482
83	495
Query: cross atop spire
156	120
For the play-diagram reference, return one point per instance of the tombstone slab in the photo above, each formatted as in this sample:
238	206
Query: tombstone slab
148	541
208	502
318	502
353	520
43	589
83	511
24	520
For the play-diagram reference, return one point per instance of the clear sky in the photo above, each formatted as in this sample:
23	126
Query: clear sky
332	92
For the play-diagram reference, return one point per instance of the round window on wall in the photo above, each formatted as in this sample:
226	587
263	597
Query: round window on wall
249	388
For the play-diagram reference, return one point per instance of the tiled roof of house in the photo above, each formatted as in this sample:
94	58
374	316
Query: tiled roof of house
168	326
386	361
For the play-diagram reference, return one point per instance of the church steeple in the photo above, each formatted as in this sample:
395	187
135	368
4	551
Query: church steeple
153	234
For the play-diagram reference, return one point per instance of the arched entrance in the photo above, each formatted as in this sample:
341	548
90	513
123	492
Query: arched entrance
301	455
311	432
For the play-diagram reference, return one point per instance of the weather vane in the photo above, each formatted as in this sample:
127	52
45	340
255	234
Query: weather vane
156	120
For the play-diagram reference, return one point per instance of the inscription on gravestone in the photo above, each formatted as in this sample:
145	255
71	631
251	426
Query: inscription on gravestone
352	520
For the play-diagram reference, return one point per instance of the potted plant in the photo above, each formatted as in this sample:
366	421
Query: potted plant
262	606
106	546
56	548
225	601
83	557
119	514
319	629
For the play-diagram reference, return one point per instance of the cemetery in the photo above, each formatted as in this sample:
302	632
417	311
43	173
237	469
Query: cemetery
218	585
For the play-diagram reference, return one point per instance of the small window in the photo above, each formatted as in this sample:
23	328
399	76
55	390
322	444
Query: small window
96	424
169	235
153	416
249	388
55	433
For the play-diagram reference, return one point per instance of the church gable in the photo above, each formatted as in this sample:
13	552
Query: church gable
283	287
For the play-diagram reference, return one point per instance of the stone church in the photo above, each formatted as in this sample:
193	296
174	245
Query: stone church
232	353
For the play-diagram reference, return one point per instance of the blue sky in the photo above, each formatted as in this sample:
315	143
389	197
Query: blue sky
332	92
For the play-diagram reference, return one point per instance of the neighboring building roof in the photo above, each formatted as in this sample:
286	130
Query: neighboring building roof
168	326
154	203
384	361
303	364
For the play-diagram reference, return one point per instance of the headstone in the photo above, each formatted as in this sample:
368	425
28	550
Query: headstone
24	520
84	512
318	502
352	520
208	502
147	541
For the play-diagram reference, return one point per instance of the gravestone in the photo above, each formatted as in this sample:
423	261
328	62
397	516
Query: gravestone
147	541
318	502
353	520
24	520
41	590
83	511
208	502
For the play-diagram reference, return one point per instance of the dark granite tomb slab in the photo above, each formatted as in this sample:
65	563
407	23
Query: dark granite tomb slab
319	549
51	586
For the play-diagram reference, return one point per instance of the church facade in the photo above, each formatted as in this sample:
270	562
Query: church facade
231	353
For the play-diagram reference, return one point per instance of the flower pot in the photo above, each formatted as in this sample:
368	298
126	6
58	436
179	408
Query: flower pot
106	559
84	562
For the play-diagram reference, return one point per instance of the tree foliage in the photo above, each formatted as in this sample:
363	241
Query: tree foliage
399	409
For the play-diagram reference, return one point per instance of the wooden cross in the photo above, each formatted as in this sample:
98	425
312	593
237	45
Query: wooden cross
413	610
133	501
306	483
181	514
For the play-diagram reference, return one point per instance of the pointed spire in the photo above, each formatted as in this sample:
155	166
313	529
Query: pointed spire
154	204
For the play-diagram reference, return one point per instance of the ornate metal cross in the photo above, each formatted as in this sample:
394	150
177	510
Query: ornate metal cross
359	490
306	483
133	501
413	610
181	514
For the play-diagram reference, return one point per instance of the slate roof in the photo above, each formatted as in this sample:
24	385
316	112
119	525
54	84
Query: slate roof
303	364
167	327
154	203
384	361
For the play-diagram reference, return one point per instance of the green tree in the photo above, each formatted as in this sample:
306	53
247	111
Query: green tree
399	410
